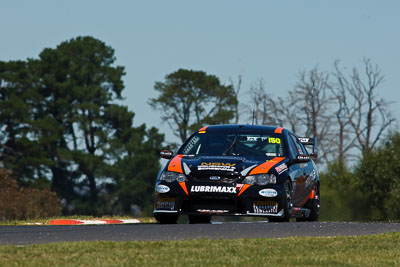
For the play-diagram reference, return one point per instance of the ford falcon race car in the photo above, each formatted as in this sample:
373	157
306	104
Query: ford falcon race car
239	170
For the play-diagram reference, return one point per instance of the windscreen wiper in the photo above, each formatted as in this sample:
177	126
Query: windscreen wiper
237	139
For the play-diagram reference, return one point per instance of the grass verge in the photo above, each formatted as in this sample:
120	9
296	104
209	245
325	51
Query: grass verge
372	250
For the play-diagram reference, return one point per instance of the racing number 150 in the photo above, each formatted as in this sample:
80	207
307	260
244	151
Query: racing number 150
273	140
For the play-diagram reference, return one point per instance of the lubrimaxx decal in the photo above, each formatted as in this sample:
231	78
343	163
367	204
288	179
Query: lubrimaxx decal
162	188
268	192
216	166
213	189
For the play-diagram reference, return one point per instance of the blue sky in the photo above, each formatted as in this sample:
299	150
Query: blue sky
269	40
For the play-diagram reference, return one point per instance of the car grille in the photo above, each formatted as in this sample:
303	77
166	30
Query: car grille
211	178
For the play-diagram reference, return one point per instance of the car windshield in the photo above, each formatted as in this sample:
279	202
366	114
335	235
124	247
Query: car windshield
254	144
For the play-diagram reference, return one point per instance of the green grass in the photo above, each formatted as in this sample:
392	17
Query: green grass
372	250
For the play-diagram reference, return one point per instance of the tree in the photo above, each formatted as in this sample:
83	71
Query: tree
190	99
260	110
313	105
305	110
344	138
378	177
236	90
135	172
60	125
344	112
18	143
341	198
368	190
80	83
367	115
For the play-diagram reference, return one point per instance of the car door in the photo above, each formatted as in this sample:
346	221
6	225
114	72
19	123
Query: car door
305	169
295	171
299	172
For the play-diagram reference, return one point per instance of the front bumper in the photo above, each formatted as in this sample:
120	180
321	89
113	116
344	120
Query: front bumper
195	198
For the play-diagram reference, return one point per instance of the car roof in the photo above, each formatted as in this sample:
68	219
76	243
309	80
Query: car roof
235	127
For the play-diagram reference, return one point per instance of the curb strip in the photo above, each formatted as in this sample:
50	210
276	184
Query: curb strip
86	222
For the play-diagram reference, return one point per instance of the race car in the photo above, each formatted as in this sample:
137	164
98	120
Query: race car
239	170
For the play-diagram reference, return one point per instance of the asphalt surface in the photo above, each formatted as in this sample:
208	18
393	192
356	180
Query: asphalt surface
24	235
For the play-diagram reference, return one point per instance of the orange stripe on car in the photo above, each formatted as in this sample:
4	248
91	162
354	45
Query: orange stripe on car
203	130
183	185
266	166
175	164
278	130
245	186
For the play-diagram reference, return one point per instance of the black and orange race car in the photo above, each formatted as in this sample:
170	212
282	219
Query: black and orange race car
239	170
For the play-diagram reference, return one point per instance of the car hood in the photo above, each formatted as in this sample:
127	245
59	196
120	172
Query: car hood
219	165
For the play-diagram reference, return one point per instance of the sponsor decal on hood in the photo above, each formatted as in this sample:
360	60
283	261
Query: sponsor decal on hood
216	166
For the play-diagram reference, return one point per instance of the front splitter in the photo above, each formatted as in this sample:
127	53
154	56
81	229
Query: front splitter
221	213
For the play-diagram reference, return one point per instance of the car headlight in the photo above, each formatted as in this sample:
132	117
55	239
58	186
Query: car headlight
169	177
260	179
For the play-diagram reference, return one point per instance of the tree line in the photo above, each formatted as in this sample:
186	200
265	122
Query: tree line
61	126
344	110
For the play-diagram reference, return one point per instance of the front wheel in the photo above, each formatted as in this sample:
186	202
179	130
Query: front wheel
287	204
166	218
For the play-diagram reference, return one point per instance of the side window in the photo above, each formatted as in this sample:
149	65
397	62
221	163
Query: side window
303	148
300	148
292	147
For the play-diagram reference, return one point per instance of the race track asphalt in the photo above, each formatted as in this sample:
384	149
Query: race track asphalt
23	235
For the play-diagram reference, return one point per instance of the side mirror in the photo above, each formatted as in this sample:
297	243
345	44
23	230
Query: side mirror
166	154
302	158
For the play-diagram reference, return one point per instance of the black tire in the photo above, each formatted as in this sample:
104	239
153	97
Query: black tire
287	204
199	219
166	218
313	205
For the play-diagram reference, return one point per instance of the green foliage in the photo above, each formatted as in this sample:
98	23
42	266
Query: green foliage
78	84
191	99
59	120
379	179
17	97
370	191
134	173
341	198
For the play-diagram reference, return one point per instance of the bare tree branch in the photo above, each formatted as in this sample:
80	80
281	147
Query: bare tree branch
367	115
237	88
